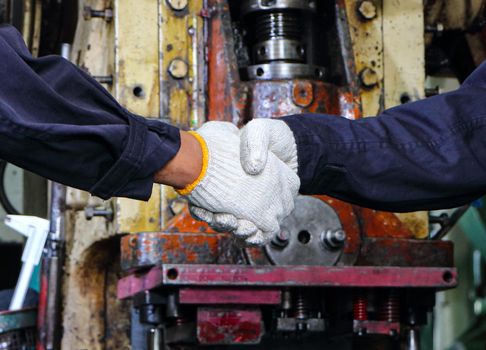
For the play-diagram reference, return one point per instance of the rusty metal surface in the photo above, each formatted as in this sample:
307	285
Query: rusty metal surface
206	296
184	222
406	252
287	276
153	248
271	99
382	224
224	88
240	101
367	39
229	326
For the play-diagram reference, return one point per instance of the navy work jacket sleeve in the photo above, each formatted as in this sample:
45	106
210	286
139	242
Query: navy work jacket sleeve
428	154
58	122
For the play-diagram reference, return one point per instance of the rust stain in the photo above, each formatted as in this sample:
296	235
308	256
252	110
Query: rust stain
184	222
383	224
303	93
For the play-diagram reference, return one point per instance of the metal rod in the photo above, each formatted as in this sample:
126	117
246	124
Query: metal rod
49	322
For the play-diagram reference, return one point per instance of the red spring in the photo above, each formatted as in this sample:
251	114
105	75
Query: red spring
359	308
390	309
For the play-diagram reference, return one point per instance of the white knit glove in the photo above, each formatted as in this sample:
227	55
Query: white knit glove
227	198
259	137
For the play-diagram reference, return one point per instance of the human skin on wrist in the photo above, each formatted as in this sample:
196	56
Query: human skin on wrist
185	167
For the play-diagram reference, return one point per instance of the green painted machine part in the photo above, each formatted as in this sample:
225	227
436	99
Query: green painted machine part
18	329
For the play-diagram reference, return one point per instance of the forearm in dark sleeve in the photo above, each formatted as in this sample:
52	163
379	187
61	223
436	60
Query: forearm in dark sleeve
428	154
58	122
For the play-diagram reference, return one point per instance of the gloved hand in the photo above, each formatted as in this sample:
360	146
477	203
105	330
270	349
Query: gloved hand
227	198
261	137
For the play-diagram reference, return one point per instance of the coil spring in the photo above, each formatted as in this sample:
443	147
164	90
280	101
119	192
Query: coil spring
301	307
278	24
360	308
390	309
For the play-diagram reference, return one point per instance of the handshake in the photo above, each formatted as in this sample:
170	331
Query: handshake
248	181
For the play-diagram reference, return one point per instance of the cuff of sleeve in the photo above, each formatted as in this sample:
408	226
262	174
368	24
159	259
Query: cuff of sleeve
150	145
317	172
306	152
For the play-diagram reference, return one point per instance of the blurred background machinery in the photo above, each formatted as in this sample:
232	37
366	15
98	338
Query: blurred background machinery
147	276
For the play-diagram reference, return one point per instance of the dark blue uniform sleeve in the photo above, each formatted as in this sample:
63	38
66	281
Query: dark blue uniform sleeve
58	122
429	154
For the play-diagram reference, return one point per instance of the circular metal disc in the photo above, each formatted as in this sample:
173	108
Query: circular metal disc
303	228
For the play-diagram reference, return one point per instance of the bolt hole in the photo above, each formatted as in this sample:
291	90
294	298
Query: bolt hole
172	274
405	98
447	277
260	72
138	92
304	237
262	51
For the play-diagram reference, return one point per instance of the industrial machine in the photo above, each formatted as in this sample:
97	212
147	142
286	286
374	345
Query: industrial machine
337	276
148	276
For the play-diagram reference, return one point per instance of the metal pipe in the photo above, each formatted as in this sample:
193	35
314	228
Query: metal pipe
49	322
50	317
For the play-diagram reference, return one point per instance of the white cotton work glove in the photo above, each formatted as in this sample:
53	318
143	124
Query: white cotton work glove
227	198
261	137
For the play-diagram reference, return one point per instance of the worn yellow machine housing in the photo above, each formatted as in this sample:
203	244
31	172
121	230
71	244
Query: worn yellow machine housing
153	56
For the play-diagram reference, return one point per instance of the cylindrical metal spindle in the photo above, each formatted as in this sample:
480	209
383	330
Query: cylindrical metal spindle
271	25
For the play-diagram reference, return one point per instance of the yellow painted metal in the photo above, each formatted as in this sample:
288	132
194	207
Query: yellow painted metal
182	63
404	70
90	305
136	56
28	17
367	39
391	46
93	46
31	24
136	86
158	73
404	50
36	29
181	41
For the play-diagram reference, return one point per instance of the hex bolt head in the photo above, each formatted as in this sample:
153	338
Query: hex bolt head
281	240
178	69
367	10
90	212
89	13
369	78
177	5
333	239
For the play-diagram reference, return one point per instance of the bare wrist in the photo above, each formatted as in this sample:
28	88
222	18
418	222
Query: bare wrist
186	165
